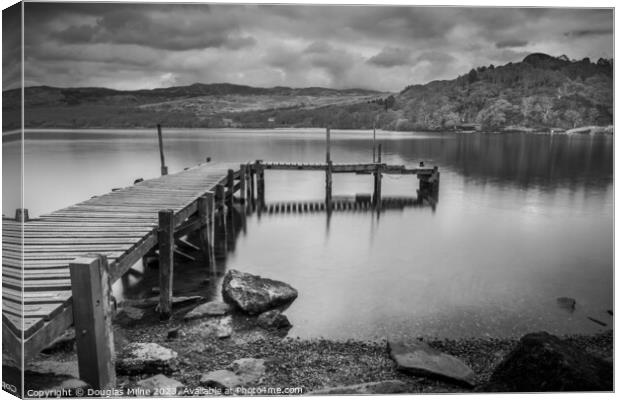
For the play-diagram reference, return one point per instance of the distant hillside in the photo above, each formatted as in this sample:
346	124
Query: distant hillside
539	92
197	105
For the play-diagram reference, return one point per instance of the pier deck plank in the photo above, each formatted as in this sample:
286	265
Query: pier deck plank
36	295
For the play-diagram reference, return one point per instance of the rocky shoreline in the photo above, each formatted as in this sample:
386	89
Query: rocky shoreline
243	344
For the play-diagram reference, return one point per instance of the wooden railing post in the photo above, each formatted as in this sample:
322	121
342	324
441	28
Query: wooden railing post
92	318
164	169
165	237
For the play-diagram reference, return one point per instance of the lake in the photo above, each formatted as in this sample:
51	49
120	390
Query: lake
521	220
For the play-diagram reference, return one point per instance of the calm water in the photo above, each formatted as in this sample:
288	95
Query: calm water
521	220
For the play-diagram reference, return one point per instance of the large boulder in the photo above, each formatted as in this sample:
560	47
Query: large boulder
418	358
543	363
254	294
143	358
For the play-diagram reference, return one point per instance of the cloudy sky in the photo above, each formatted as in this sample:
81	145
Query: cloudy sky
132	46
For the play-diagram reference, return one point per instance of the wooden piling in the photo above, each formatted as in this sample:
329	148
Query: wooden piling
220	234
21	215
377	181
164	169
165	238
260	185
374	139
243	180
206	205
92	318
230	184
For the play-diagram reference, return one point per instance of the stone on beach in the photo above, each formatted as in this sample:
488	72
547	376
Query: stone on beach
160	385
254	294
542	362
418	358
380	387
210	309
139	358
239	373
273	319
224	328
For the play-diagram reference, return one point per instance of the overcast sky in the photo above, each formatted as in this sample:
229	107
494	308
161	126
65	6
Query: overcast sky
133	46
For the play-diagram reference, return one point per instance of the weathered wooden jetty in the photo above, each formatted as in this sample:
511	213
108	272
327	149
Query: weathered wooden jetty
58	269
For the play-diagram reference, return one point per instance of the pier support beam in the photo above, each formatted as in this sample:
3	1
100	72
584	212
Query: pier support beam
206	207
219	225
165	237
92	318
230	184
243	180
376	198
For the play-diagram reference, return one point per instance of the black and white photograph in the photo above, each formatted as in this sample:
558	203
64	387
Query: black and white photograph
253	199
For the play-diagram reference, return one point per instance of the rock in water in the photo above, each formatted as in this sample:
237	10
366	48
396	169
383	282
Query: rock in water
254	294
567	303
418	358
210	309
542	362
273	319
140	358
381	387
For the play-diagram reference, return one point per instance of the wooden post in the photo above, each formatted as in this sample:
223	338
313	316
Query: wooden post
260	185
165	237
205	212
328	186
374	139
164	169
328	171
252	176
21	215
230	184
243	180
92	318
327	146
219	240
210	197
377	192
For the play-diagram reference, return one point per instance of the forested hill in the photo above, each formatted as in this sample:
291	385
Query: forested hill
539	92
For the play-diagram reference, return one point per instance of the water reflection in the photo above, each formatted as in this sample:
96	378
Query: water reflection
523	219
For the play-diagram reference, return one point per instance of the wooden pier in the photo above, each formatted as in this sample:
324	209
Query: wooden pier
79	251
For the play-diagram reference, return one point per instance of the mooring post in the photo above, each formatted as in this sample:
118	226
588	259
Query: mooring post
92	318
164	169
21	215
243	180
165	237
328	172
377	186
219	241
260	184
374	139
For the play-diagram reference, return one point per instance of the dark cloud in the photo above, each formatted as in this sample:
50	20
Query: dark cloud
511	43
391	57
124	45
589	32
11	47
